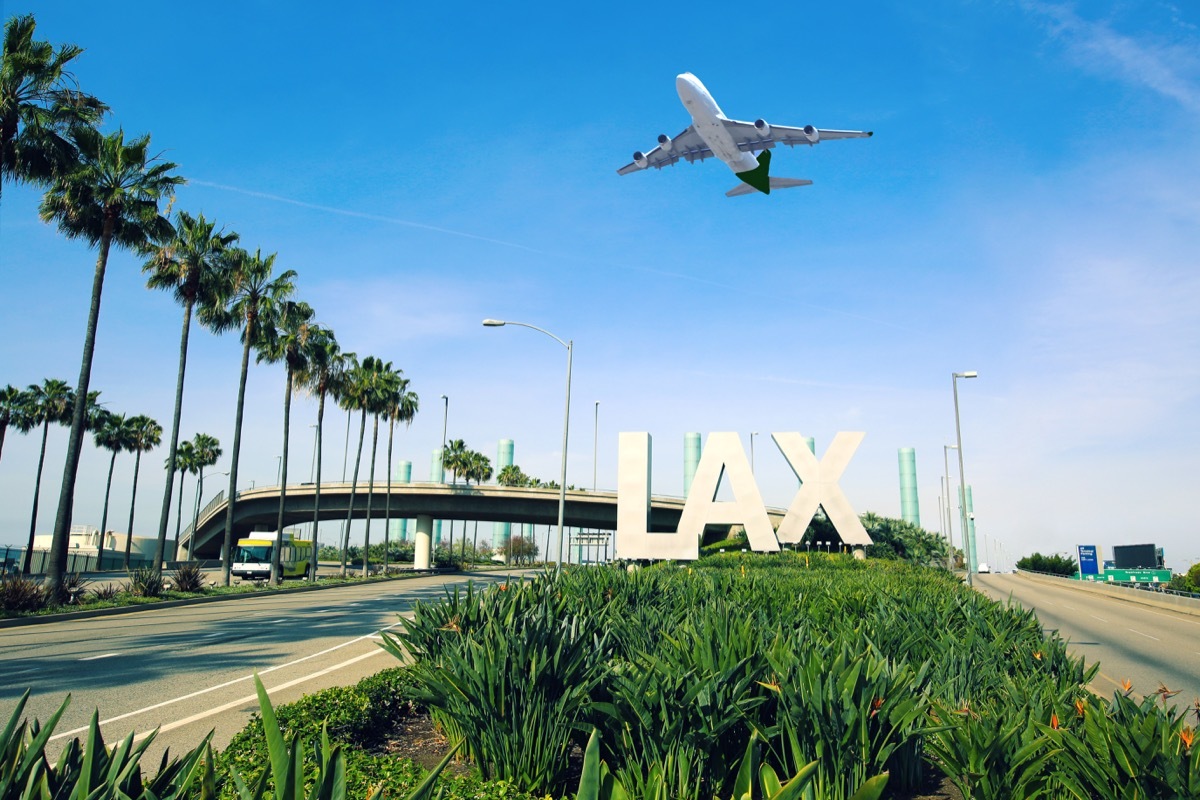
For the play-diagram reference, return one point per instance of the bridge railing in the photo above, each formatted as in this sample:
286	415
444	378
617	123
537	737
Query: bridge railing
220	498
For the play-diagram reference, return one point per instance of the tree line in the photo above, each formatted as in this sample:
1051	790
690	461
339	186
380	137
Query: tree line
110	191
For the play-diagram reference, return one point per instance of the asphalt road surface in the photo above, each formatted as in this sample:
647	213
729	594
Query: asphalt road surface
189	670
1151	647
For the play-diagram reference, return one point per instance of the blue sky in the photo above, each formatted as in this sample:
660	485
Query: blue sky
1027	209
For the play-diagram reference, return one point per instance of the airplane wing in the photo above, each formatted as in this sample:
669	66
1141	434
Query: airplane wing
687	146
754	136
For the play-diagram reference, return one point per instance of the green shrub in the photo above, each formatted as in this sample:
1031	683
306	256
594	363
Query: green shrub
146	582
21	595
188	579
106	592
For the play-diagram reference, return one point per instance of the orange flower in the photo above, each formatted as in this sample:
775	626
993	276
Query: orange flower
1054	721
1188	736
1080	707
876	704
1038	655
1127	685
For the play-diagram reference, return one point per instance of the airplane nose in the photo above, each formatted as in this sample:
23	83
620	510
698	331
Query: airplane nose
685	85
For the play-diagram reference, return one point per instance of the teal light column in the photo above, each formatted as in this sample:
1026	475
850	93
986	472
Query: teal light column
910	510
971	529
398	528
437	475
502	531
691	459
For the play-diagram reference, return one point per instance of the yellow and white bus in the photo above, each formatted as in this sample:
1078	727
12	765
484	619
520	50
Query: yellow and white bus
252	557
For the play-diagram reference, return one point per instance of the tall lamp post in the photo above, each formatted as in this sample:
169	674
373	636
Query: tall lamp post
968	549
562	479
195	514
946	448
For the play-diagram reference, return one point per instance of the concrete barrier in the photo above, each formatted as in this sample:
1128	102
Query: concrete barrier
1145	597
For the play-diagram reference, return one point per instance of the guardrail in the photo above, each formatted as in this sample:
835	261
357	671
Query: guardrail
1147	594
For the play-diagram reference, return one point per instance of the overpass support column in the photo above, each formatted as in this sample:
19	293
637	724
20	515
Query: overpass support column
423	552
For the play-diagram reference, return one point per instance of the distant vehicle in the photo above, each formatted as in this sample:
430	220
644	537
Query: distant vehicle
252	558
984	568
714	134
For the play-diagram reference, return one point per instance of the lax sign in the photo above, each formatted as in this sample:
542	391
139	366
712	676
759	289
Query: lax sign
723	455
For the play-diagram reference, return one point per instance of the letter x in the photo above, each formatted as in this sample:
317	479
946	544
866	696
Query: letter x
819	487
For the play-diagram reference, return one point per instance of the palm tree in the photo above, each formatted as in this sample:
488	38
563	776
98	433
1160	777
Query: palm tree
109	197
384	382
43	404
512	475
454	459
250	305
347	392
146	434
478	468
206	450
11	400
185	462
114	433
286	341
320	374
38	100
190	266
402	407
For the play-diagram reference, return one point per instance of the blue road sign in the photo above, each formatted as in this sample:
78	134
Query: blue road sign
1088	563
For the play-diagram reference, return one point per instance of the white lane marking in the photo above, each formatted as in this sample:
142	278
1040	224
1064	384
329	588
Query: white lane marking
276	621
1148	636
1093	616
254	697
1064	605
223	685
97	658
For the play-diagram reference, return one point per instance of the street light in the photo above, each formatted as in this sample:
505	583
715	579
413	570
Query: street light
278	470
946	448
962	481
562	480
312	469
752	435
196	514
595	444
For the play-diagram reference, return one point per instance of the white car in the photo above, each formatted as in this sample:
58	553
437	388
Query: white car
984	568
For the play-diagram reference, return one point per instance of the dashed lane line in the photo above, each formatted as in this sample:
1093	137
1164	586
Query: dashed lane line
1148	636
219	686
97	658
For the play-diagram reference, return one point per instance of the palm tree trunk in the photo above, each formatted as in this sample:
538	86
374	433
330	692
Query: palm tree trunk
312	568
387	506
370	495
112	462
276	571
475	543
178	515
66	496
227	545
137	465
165	518
362	430
37	490
196	513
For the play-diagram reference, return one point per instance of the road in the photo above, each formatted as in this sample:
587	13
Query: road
1148	646
190	669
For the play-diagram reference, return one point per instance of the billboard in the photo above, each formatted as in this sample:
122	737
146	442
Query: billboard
1136	556
1089	564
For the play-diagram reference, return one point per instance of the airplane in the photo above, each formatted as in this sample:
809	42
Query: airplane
713	134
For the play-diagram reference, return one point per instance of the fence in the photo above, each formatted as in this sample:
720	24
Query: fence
11	559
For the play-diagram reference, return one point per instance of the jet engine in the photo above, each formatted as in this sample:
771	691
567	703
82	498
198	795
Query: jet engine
764	130
664	142
812	133
640	159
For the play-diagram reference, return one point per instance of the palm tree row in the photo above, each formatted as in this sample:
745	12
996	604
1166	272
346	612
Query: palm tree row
107	191
470	465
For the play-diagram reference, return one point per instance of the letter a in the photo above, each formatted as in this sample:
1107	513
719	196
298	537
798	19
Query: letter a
723	451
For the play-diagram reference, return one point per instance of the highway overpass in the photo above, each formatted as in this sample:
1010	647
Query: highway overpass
258	509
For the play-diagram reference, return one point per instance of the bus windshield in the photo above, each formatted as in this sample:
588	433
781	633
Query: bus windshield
253	554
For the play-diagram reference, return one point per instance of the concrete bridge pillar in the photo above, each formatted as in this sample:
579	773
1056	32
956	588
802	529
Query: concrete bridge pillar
423	552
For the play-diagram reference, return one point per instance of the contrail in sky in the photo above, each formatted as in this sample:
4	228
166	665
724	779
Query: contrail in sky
501	242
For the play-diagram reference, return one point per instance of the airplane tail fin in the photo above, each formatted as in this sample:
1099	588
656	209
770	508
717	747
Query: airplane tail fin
758	177
774	183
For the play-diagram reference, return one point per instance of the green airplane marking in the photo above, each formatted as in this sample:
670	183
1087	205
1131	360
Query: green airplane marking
758	177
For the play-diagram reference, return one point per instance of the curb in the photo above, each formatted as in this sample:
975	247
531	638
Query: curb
41	619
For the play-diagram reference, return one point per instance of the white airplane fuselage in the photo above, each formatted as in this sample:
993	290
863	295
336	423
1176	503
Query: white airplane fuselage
707	120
